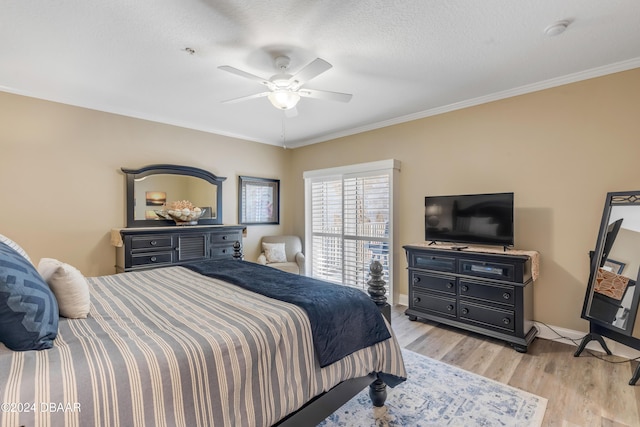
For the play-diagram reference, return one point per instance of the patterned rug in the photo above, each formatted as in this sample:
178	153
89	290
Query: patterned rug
437	394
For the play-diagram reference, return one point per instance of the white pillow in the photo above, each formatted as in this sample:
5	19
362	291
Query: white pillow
274	252
16	247
69	287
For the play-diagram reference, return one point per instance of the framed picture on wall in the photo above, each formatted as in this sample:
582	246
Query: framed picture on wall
258	200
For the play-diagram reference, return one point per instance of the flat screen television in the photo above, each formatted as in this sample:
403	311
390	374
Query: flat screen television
483	219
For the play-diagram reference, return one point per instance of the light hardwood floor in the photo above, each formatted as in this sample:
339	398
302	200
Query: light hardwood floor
581	391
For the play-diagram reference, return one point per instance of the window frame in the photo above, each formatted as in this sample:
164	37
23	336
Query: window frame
389	167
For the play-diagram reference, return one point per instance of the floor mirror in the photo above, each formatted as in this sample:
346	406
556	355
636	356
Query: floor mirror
611	301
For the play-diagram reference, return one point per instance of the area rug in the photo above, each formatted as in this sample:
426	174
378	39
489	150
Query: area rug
437	394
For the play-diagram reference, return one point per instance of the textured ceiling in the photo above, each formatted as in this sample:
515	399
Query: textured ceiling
401	60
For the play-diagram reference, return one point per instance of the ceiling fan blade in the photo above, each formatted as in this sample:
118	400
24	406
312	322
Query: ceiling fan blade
311	70
244	74
245	98
326	95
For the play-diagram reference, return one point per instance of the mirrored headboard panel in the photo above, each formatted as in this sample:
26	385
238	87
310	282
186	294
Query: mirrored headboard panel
613	291
150	187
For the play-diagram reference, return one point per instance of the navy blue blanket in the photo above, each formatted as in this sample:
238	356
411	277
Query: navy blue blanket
343	319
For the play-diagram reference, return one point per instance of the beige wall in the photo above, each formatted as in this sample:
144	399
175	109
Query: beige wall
62	191
560	150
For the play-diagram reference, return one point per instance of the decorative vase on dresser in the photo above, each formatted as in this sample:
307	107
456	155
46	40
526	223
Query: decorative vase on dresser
483	290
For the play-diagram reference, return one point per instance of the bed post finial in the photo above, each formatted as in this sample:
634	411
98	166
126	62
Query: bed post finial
376	284
377	289
237	251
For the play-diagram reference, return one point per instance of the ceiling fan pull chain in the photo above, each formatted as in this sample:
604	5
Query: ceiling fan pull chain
284	135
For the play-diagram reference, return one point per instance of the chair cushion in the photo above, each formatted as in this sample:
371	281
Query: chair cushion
28	308
69	287
292	244
274	252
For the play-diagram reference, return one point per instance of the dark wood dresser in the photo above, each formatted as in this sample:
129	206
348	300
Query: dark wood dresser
487	293
150	247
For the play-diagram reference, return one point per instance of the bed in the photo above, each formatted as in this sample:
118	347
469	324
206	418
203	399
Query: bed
178	346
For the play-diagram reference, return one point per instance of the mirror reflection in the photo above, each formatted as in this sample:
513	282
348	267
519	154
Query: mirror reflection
153	192
614	298
611	301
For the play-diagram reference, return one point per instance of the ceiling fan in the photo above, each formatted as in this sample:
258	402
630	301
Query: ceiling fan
285	89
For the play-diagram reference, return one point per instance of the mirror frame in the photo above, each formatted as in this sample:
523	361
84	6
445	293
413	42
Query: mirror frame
133	174
622	198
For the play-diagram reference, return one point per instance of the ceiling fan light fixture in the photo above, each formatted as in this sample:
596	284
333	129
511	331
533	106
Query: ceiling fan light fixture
283	99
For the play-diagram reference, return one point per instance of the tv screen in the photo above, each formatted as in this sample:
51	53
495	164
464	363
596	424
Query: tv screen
485	219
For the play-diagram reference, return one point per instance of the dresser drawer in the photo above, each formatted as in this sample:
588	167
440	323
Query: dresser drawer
493	270
433	282
151	258
221	251
227	237
433	303
151	242
433	262
488	292
488	316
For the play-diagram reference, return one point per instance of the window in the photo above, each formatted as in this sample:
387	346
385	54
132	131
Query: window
258	200
348	212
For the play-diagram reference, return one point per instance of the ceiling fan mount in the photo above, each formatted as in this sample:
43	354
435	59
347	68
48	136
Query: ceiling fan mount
282	80
282	62
285	89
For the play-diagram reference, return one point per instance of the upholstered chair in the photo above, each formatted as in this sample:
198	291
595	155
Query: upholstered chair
292	260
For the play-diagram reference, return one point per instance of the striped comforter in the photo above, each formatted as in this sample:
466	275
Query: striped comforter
170	347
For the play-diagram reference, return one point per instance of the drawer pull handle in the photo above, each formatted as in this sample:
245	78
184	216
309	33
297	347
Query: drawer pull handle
224	237
153	259
465	311
450	307
506	295
224	251
416	279
416	300
465	288
506	320
449	285
153	243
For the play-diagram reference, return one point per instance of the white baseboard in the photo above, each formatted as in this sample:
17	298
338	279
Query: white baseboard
566	335
569	334
403	299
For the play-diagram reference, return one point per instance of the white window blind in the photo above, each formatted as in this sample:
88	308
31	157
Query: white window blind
348	218
366	226
256	202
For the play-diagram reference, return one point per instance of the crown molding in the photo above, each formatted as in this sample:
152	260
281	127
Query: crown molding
522	90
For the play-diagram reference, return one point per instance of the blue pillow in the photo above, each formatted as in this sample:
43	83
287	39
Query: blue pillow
28	308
